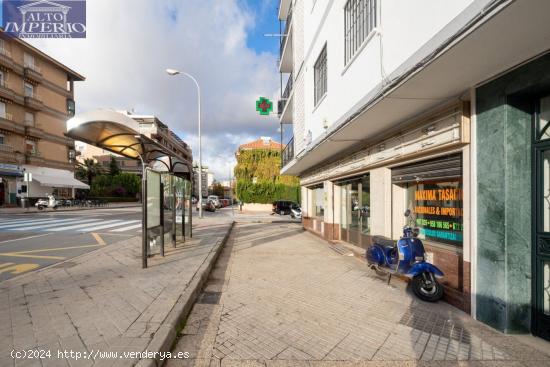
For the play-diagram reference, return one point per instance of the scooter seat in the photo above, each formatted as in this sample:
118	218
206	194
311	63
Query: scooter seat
384	241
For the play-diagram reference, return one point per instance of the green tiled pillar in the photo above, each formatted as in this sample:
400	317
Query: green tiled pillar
504	127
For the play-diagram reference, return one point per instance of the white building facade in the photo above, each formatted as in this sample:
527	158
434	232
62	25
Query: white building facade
385	99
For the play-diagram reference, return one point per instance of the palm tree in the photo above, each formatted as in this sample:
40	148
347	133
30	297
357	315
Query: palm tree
89	169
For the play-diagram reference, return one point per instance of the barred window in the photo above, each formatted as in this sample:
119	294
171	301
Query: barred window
359	20
320	73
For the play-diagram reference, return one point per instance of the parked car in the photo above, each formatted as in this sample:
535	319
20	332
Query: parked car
209	205
295	211
216	200
282	207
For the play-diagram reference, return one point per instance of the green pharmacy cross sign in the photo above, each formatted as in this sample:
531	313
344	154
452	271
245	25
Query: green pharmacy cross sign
264	106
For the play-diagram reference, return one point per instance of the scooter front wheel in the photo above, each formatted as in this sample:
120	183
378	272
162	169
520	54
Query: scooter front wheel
427	288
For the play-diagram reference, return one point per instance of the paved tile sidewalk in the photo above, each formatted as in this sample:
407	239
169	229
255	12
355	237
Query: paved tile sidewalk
280	296
101	301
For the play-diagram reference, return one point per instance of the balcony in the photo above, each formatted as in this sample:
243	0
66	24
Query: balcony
288	153
34	102
284	8
33	72
7	154
34	132
8	93
285	48
34	157
7	124
285	105
5	58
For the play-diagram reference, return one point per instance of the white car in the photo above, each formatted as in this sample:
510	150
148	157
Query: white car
295	212
216	200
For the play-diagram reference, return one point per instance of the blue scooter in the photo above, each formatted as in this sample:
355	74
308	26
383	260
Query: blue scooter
407	258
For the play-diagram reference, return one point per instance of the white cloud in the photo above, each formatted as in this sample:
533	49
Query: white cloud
130	43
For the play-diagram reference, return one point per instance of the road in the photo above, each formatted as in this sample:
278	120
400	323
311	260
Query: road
35	240
32	241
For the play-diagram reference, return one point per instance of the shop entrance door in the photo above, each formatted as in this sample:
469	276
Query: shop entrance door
541	232
355	211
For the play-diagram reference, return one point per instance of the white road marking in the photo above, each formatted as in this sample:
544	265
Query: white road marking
126	228
27	223
26	238
108	225
80	225
56	224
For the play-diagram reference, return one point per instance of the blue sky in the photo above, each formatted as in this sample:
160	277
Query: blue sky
265	22
220	42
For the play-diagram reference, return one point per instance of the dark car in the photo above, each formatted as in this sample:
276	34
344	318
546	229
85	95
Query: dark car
283	207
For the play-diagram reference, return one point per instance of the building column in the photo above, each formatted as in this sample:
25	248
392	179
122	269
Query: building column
328	217
304	201
380	200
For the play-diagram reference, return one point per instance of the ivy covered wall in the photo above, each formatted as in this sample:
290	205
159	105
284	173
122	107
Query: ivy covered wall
258	178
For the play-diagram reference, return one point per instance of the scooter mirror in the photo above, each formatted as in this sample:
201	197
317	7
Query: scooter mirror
407	212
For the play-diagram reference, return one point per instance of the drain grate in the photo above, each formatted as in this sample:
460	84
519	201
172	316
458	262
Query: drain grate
210	298
433	323
340	249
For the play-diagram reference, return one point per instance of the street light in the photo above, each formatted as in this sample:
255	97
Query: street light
173	72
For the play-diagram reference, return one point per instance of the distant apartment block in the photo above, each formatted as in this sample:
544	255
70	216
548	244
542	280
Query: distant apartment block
36	99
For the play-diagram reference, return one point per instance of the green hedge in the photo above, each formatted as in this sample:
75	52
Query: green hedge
121	185
266	192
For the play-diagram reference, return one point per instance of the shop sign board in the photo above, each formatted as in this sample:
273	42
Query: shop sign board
439	211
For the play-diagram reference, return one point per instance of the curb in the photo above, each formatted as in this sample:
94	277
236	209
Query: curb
164	338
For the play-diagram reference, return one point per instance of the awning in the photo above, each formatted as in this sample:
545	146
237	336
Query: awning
54	181
52	177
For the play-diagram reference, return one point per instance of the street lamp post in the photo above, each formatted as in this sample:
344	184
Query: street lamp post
174	72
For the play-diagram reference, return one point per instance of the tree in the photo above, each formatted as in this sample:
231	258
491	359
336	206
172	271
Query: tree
113	167
89	168
217	189
259	179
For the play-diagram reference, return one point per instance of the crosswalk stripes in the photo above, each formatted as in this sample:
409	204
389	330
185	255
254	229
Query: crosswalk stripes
53	224
135	226
80	226
25	223
63	224
104	226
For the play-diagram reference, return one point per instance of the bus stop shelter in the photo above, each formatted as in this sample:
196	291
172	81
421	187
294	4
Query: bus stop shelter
166	163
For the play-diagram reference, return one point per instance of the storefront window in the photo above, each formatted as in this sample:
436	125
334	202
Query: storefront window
437	210
355	209
318	201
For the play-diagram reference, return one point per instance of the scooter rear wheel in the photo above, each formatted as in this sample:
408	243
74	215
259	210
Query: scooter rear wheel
427	290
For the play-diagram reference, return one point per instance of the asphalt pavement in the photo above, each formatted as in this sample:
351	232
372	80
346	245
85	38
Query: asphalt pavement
32	241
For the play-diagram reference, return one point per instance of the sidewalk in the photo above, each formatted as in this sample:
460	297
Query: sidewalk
103	301
66	209
280	296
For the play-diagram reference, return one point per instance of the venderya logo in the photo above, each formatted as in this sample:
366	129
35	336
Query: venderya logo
44	19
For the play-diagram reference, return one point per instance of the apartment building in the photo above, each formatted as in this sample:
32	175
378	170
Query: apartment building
207	179
36	99
441	107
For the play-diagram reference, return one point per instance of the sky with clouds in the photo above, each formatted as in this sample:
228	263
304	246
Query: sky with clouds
130	43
